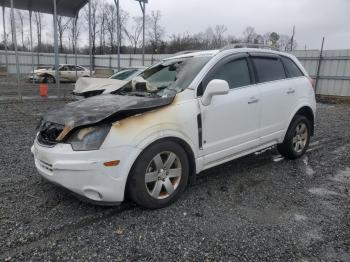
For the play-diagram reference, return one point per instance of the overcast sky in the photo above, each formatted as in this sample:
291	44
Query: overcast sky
313	18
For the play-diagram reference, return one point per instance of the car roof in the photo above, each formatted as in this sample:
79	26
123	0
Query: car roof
70	65
195	54
255	50
230	51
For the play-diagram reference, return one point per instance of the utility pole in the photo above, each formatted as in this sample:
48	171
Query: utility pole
119	30
319	65
5	37
90	38
143	9
292	39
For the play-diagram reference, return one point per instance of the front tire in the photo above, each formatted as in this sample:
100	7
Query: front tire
297	138
159	175
49	79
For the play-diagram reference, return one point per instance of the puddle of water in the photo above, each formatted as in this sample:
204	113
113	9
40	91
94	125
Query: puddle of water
322	191
343	176
315	143
340	150
299	218
277	158
308	169
313	235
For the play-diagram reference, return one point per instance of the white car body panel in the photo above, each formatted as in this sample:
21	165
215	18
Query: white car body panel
232	127
65	76
229	133
85	84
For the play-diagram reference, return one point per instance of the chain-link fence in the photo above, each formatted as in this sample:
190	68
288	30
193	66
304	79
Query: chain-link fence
331	69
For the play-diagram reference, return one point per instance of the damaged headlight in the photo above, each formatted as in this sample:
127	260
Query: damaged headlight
89	138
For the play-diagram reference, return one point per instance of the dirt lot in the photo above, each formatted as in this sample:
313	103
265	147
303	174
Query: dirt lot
261	207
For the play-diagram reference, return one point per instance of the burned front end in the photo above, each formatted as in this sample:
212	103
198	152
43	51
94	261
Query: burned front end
48	133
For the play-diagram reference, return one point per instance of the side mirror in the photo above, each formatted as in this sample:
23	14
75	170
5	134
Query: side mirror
214	88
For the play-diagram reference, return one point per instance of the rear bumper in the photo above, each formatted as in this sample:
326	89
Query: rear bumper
83	173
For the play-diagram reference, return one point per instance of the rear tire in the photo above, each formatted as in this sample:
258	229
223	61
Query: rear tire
297	138
159	175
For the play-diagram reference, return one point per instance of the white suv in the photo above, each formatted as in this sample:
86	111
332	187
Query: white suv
182	116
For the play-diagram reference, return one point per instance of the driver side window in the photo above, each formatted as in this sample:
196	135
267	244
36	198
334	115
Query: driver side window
235	72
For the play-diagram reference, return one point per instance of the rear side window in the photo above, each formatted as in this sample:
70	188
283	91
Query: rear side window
292	69
268	69
236	73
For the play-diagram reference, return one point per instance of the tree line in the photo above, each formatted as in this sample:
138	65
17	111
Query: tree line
104	33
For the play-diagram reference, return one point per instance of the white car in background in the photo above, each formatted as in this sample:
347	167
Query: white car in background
68	73
189	113
88	87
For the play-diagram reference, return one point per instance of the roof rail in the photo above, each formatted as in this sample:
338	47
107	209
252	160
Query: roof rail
247	45
186	52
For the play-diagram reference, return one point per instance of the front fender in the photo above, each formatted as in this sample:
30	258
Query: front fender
166	132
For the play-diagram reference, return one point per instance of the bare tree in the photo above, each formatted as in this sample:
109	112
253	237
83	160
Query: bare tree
102	33
134	33
219	36
249	34
62	26
111	27
74	33
20	26
39	27
95	6
156	31
266	38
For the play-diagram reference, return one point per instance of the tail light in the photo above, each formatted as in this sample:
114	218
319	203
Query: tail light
312	82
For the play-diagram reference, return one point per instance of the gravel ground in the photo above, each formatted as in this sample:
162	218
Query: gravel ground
260	207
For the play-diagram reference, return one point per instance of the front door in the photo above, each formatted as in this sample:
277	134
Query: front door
231	121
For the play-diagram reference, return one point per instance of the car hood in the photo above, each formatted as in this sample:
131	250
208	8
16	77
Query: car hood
102	108
86	84
43	70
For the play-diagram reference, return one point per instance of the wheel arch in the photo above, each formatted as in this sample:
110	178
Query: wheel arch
304	110
182	142
185	145
309	114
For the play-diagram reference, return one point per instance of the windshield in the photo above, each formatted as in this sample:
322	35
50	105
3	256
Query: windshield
126	74
166	78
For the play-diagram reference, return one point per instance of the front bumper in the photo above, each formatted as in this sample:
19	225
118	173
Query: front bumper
83	172
36	78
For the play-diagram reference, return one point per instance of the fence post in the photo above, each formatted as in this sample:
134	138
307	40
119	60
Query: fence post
110	61
319	66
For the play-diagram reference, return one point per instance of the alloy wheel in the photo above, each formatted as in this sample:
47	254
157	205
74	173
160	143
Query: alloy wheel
300	137
163	175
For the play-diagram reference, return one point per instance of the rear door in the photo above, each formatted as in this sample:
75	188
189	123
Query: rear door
71	73
64	73
81	72
277	95
230	124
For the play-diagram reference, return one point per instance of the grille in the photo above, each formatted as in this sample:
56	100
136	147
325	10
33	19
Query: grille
48	133
45	165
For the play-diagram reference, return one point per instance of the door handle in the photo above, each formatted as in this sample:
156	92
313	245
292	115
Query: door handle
253	100
291	91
